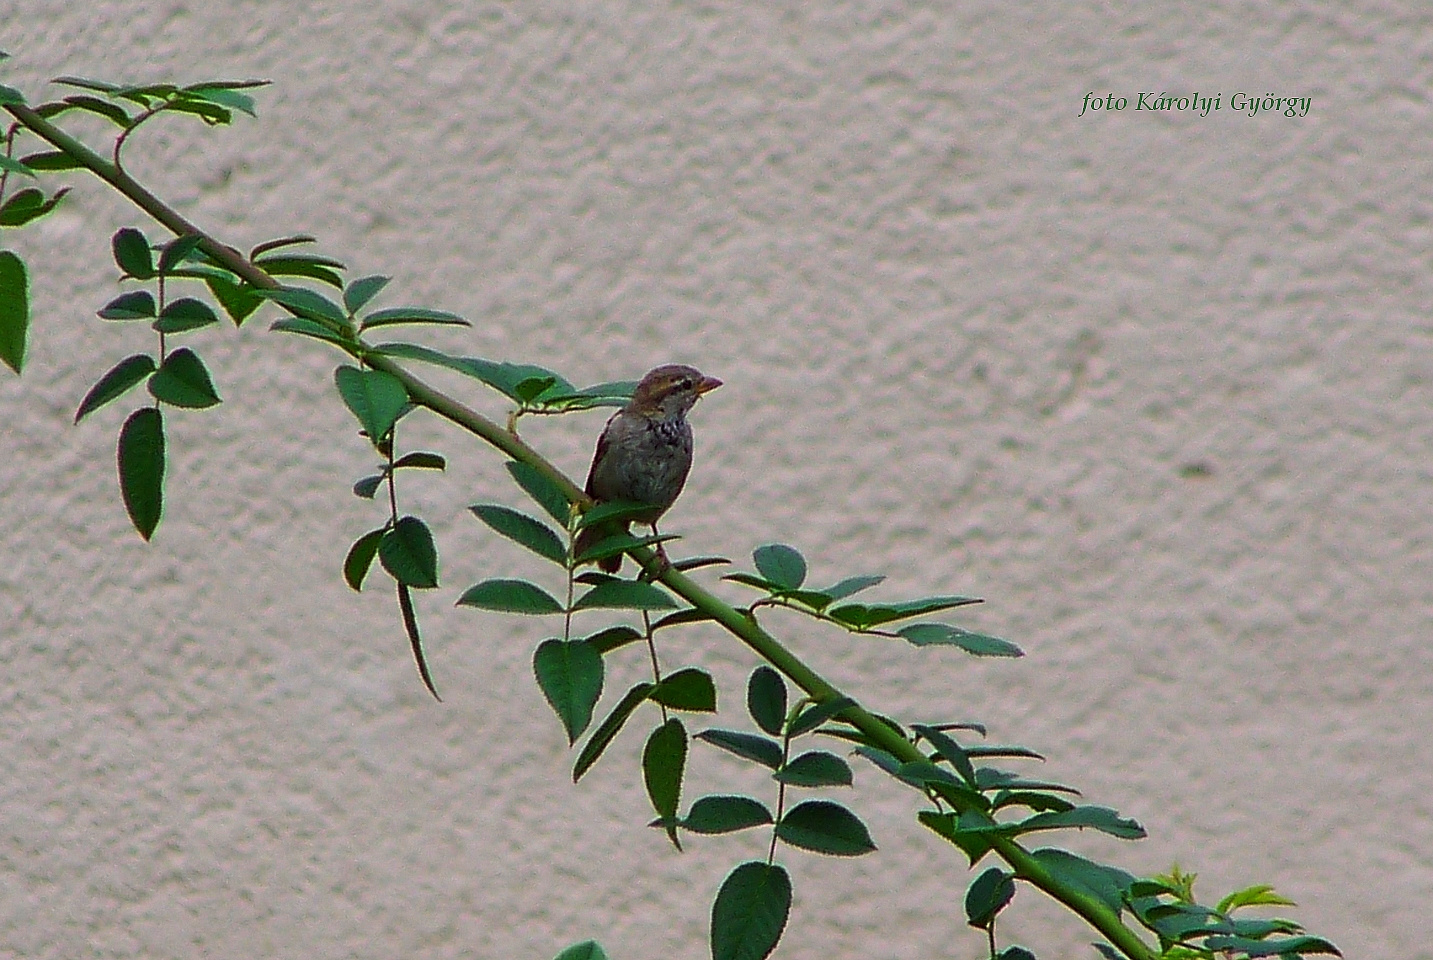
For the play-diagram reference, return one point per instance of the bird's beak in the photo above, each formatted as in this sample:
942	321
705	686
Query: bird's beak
707	385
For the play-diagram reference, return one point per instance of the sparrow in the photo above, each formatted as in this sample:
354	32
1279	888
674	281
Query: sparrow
644	453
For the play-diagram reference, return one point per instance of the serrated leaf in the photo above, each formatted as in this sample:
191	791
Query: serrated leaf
943	634
725	814
987	895
522	530
691	690
359	292
613	638
823	826
307	328
141	468
85	84
1259	895
210	113
260	249
360	557
989	778
415	639
184	381
815	768
973	845
509	596
751	580
10	95
421	460
238	301
782	565
949	750
851	585
608	729
1102	819
131	253
619	543
176	250
407	552
748	746
503	377
813	716
183	314
14	310
1039	802
586	950
664	761
570	674
406	315
624	595
612	510
225	97
366	487
119	380
310	267
766	699
377	398
750	912
135	305
543	491
1105	883
307	303
688	564
1281	947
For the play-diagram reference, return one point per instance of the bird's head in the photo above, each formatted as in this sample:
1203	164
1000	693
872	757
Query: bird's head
670	391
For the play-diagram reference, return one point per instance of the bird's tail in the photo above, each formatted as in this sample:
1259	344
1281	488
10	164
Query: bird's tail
591	536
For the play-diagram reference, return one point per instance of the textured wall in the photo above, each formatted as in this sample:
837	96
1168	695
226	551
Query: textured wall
1157	385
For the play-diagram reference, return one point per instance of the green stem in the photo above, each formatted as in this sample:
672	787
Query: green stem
743	626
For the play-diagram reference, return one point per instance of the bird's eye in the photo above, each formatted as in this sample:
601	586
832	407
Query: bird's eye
685	383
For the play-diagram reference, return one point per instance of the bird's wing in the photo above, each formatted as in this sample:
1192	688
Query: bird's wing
603	442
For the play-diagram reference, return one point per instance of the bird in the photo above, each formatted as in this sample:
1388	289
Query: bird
645	453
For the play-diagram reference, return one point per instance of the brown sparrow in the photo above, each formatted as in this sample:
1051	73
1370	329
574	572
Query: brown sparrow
644	453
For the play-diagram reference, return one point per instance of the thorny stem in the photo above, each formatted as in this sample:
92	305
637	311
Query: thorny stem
1025	866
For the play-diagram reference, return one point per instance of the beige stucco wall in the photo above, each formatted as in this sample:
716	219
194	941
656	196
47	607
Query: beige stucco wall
970	340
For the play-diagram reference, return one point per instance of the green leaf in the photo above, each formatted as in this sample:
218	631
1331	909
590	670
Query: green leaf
823	826
949	750
135	305
1102	819
224	97
723	814
14	310
131	252
624	595
503	377
98	85
509	596
569	673
402	315
415	639
613	638
183	380
989	778
238	301
366	487
973	845
114	384
313	267
748	746
408	553
586	950
608	729
10	95
421	460
862	617
750	912
1281	947
943	634
29	204
141	468
260	249
766	699
619	543
357	294
1015	953
812	717
664	761
210	113
375	397
850	585
360	557
1039	802
780	564
543	491
177	250
51	161
523	530
11	165
112	112
690	689
307	303
308	328
612	510
183	314
816	768
751	580
1107	884
989	893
